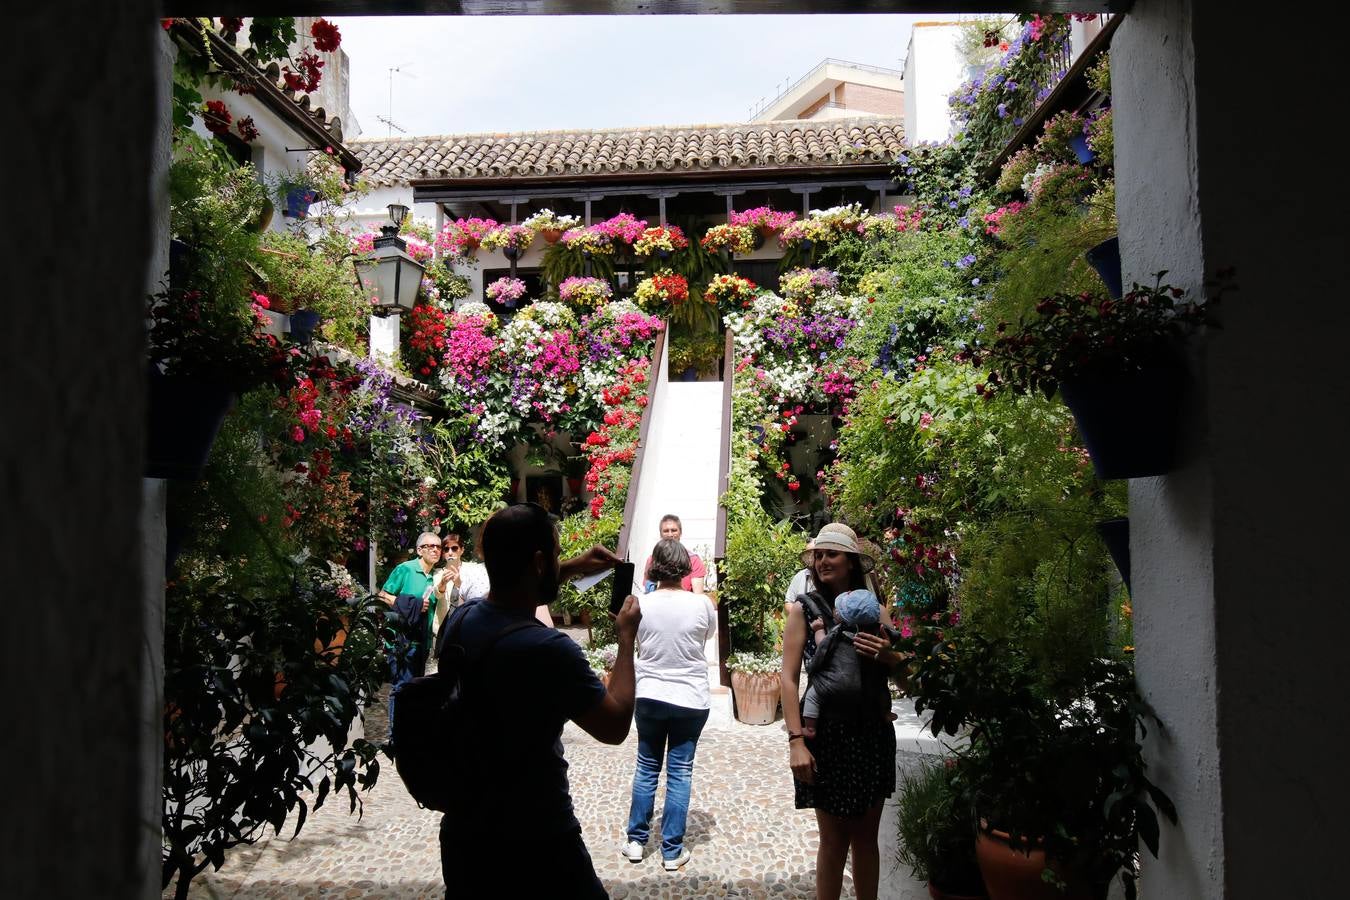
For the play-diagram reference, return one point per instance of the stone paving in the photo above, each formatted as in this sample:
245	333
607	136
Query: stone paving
746	838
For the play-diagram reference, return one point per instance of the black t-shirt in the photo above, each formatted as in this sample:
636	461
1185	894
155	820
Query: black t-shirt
532	681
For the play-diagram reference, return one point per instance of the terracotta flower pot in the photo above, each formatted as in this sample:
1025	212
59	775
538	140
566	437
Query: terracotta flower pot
551	235
1014	874
339	639
756	697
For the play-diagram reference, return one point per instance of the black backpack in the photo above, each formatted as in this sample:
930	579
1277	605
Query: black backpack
431	727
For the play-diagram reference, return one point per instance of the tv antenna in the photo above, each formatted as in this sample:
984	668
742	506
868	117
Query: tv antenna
389	119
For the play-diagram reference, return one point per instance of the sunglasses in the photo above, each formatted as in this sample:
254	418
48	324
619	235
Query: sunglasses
450	548
429	547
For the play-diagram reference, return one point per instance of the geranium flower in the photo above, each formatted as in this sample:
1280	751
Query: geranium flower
326	36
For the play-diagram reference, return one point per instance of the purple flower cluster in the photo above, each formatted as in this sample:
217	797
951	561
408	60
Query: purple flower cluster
812	333
610	337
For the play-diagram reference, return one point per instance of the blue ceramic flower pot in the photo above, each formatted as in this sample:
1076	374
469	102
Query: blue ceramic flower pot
1105	258
1081	149
303	323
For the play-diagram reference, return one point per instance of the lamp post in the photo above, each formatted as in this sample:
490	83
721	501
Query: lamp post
390	277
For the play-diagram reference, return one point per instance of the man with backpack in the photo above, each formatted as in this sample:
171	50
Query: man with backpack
509	829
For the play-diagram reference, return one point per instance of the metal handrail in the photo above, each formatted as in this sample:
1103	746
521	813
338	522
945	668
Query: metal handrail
827	61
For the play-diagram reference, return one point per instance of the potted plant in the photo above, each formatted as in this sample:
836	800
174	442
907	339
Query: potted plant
549	225
505	291
512	240
766	220
661	241
1116	363
937	831
1055	770
585	293
577	467
729	238
665	290
463	237
755	686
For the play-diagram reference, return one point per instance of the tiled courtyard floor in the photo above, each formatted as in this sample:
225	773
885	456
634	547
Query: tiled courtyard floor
746	839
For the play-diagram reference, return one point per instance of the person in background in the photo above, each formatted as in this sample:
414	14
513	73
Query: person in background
847	769
672	530
411	590
672	702
467	580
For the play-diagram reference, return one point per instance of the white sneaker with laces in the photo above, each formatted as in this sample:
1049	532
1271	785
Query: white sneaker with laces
673	865
632	851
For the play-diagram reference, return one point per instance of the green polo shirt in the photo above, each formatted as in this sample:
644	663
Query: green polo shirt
408	578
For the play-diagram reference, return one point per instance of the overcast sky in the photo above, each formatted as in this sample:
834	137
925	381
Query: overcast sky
521	73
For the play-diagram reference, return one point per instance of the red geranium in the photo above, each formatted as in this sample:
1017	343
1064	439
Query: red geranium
217	118
247	130
326	35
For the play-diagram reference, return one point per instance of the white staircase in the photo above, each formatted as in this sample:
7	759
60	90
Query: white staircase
679	476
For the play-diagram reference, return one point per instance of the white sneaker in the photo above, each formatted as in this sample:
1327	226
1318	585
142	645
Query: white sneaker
632	851
673	865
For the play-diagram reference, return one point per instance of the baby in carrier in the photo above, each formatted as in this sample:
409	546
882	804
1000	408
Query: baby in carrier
836	674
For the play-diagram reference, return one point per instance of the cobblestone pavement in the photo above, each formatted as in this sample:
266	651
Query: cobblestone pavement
746	839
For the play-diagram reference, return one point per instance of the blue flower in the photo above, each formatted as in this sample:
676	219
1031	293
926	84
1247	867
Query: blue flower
975	281
952	205
965	192
1003	110
966	261
963	222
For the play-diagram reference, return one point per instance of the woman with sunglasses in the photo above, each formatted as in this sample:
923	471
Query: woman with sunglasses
847	768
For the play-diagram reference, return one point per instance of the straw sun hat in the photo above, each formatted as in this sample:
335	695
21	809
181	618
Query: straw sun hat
837	536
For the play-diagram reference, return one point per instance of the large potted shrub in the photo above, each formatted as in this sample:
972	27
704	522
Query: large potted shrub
1118	365
937	831
1056	771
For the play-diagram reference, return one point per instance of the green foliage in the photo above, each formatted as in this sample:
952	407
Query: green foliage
937	828
1101	137
578	533
318	278
258	706
702	351
1063	766
1042	249
936	175
1099	74
762	556
1054	143
921	298
562	262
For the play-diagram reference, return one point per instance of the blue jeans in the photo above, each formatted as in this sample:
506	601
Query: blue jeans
659	724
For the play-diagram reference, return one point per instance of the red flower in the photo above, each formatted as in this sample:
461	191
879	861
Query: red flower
326	35
217	117
247	130
231	24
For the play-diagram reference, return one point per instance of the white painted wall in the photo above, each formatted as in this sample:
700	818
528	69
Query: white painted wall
933	71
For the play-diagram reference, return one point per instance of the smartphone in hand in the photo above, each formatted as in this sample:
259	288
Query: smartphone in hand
621	587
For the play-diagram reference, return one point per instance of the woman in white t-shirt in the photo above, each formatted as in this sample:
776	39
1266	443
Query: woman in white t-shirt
672	702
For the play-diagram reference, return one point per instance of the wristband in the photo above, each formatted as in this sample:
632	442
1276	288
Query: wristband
793	735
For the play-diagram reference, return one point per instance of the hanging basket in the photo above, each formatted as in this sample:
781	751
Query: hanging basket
1129	422
551	235
1081	149
511	253
298	201
183	416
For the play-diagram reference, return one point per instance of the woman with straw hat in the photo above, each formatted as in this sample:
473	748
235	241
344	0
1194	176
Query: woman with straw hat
847	768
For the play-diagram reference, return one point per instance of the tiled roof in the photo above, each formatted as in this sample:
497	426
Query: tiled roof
266	84
659	149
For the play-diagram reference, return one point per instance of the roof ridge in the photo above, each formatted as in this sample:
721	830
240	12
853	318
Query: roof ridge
700	126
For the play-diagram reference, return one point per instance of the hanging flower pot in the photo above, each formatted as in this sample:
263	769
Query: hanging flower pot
551	235
183	416
689	374
807	245
1116	535
663	253
1129	422
511	253
759	239
1081	149
303	323
1105	258
298	201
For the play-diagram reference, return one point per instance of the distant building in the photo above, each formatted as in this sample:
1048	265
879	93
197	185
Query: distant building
838	89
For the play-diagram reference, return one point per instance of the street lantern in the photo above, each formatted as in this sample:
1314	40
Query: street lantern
390	278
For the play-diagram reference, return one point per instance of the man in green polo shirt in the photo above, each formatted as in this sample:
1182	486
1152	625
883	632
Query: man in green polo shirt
418	578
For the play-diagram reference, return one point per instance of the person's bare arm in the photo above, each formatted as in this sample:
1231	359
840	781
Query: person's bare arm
609	720
387	597
696	585
794	642
593	560
542	614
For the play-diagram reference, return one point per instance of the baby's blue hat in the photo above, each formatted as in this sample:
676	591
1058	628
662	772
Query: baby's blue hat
858	607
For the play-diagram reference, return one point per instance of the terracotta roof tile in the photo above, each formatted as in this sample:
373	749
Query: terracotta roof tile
811	143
